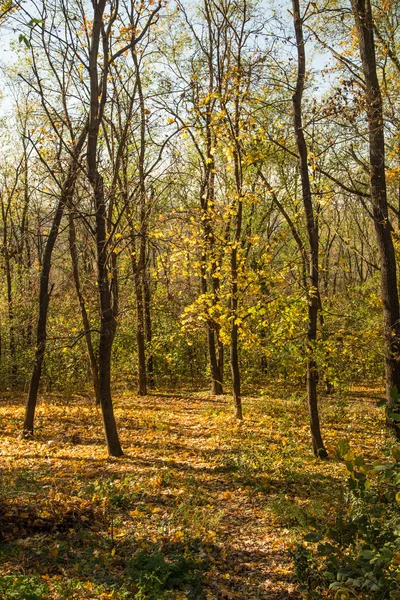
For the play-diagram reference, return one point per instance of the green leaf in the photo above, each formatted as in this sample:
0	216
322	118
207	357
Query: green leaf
367	554
313	537
382	466
396	452
35	22
344	447
24	39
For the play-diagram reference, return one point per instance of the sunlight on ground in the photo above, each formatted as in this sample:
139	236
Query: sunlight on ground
198	507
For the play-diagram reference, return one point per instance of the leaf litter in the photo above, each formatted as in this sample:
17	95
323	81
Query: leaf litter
198	507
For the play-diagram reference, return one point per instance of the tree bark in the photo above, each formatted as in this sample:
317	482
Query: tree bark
313	238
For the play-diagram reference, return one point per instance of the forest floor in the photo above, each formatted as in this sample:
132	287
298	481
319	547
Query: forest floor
198	506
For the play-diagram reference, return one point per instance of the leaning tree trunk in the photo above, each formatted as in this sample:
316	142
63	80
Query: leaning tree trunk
364	24
44	289
313	238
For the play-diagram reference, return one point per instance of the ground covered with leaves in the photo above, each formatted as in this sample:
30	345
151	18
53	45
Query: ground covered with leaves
198	507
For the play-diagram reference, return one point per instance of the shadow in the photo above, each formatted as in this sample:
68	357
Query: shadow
109	509
87	552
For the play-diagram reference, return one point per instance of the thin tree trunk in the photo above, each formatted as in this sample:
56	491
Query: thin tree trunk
8	268
313	237
148	327
10	309
216	385
45	288
140	324
141	260
207	203
217	328
234	354
11	319
24	241
364	24
82	305
220	355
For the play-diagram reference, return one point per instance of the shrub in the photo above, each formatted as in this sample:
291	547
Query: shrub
361	554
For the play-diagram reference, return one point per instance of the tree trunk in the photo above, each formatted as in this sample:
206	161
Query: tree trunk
107	319
234	274
148	327
364	24
207	204
8	268
140	323
313	238
10	314
216	384
234	354
141	261
44	291
98	95
217	328
220	358
84	314
234	300
218	345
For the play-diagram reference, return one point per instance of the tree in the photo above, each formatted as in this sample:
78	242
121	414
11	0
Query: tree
365	31
313	238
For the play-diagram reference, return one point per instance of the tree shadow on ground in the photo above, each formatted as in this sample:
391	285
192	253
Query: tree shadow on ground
84	551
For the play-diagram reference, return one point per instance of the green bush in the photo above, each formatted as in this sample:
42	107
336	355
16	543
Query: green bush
152	574
361	554
23	588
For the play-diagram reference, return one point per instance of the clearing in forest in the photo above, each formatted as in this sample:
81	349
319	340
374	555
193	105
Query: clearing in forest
198	507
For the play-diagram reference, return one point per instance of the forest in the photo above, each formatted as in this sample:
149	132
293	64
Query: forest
199	299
